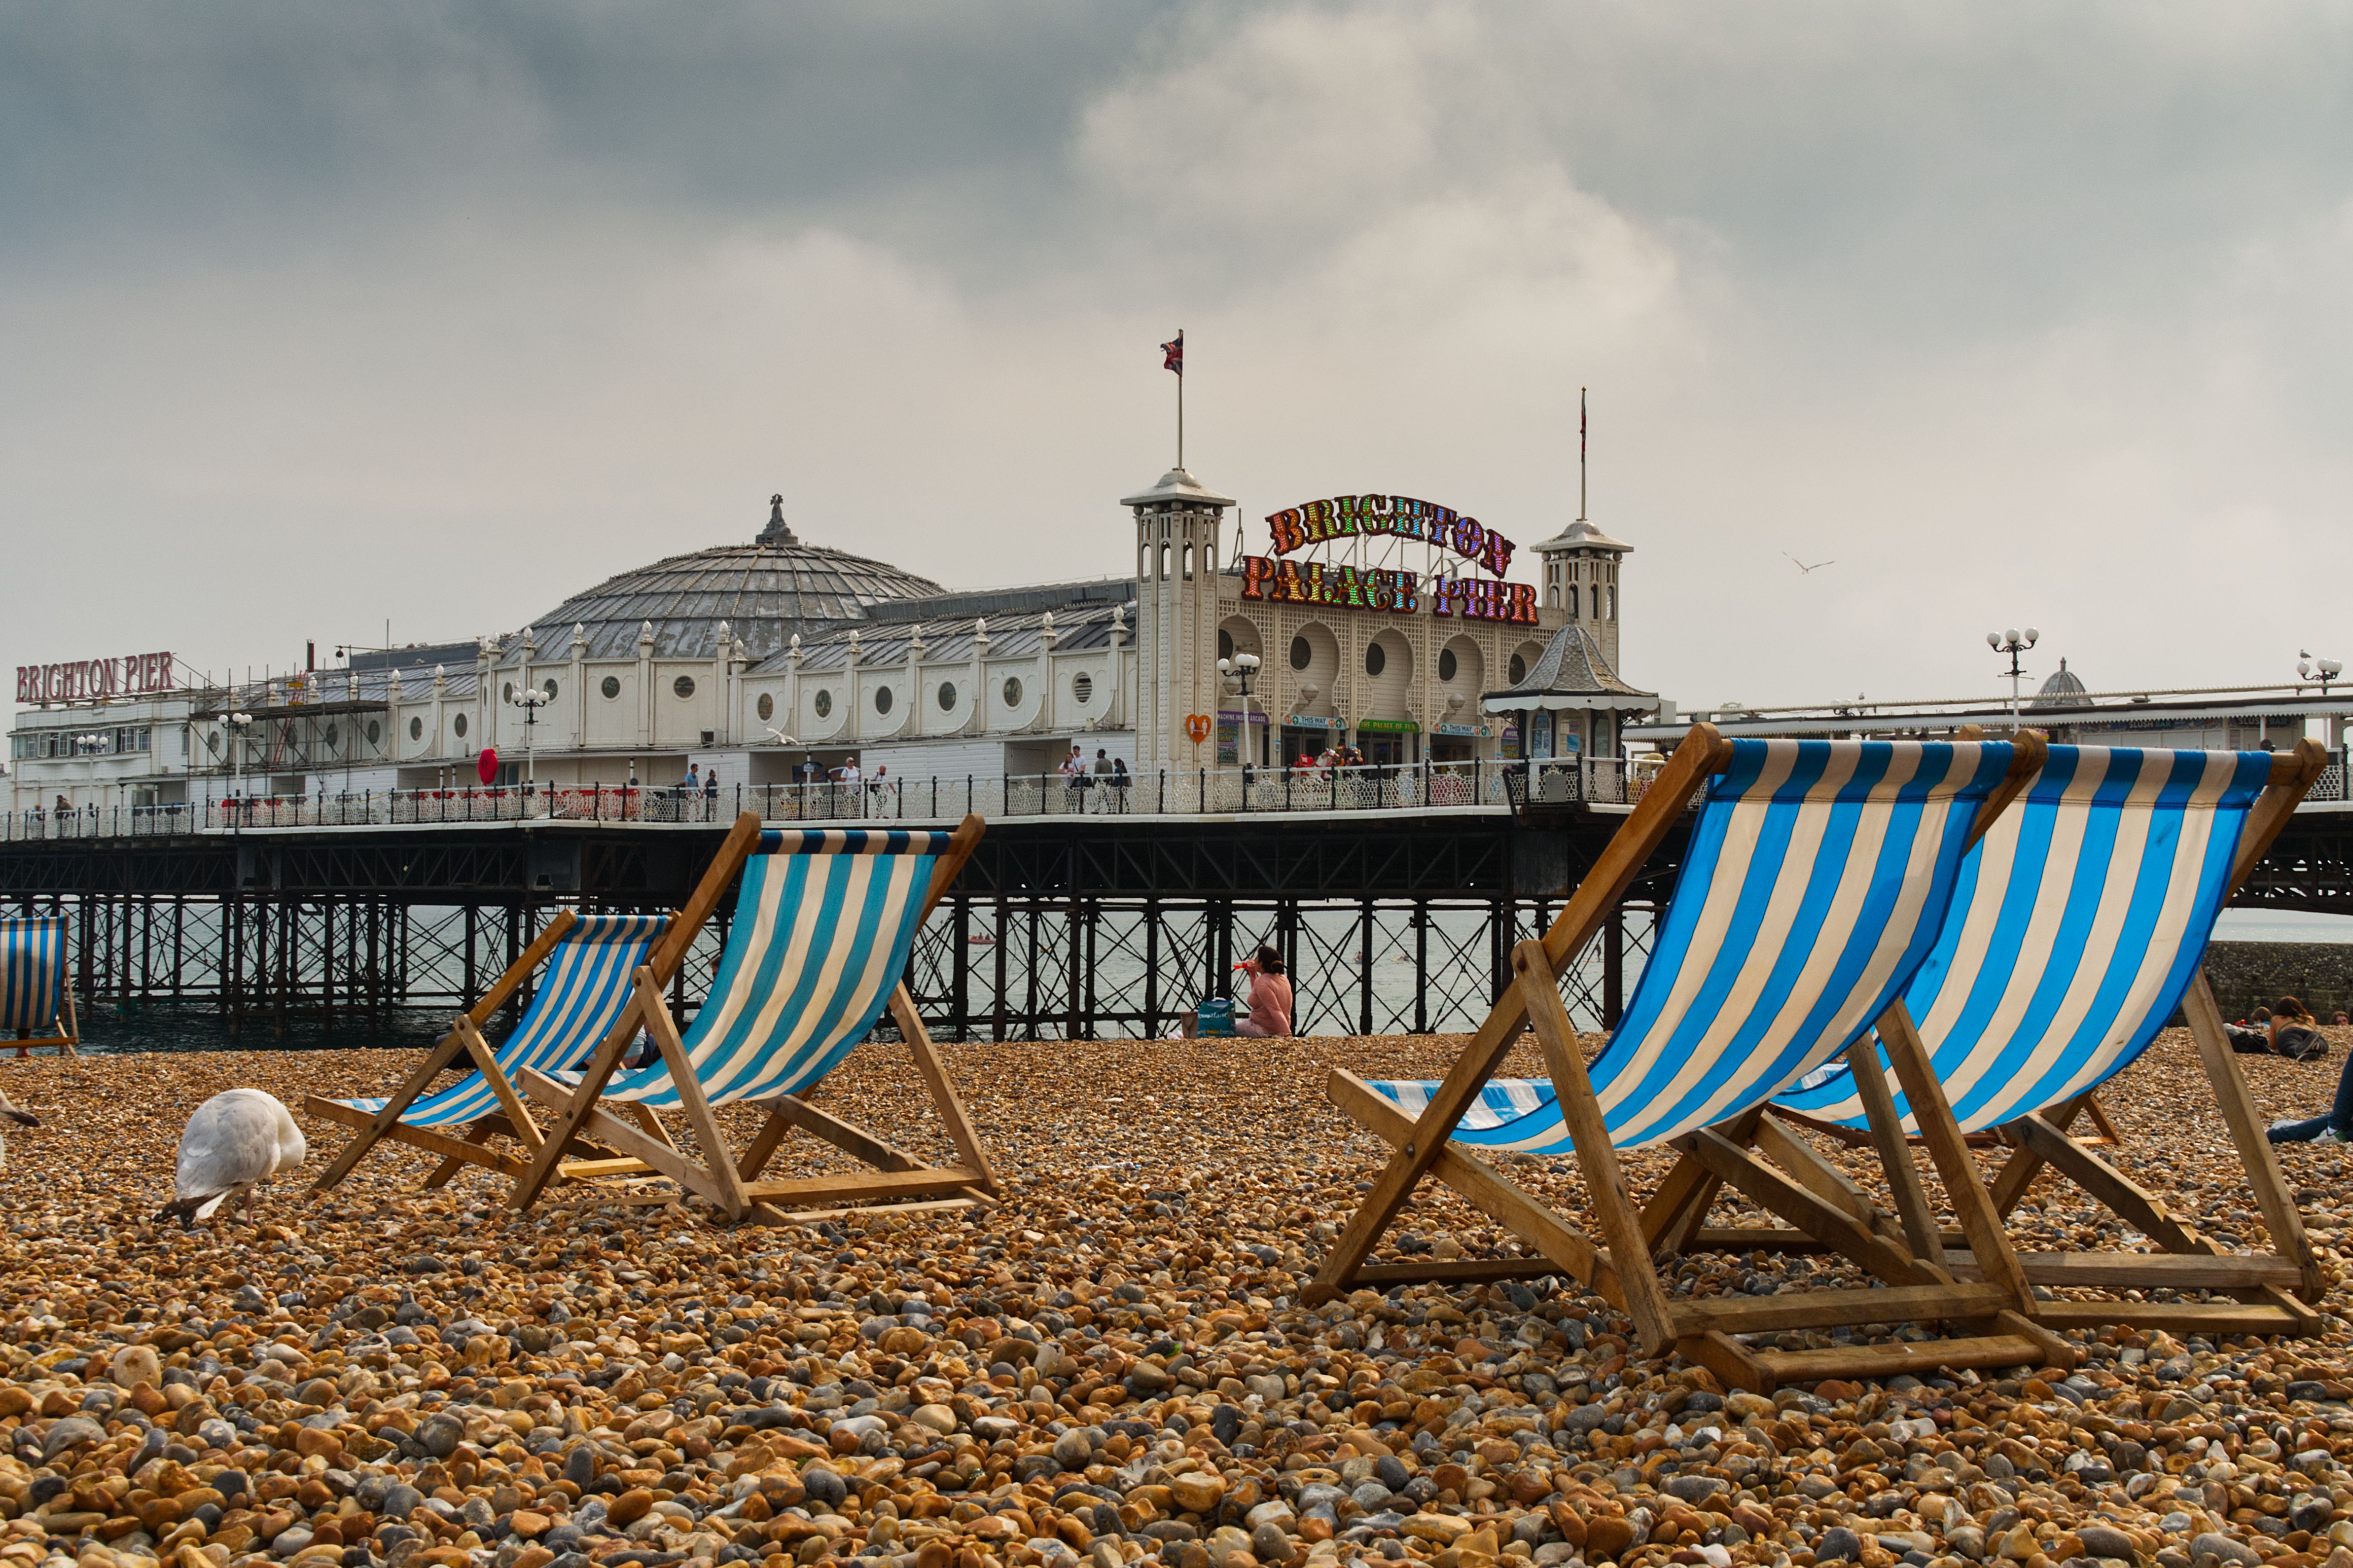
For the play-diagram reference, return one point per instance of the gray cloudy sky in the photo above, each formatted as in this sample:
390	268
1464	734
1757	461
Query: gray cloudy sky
315	316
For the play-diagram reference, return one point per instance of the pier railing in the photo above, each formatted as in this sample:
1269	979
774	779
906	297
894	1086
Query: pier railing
1221	792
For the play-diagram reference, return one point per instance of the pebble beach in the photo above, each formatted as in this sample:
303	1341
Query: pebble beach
1114	1365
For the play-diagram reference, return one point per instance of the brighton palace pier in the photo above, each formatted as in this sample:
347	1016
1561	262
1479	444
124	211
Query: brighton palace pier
1382	622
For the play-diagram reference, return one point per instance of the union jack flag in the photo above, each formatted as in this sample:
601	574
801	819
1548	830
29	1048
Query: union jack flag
1173	354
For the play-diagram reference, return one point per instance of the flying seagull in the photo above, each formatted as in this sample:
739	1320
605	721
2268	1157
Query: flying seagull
237	1139
1803	568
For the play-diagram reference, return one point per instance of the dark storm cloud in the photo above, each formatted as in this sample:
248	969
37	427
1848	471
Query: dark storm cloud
318	315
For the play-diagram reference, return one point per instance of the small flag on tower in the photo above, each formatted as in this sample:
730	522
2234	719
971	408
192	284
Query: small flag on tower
1173	354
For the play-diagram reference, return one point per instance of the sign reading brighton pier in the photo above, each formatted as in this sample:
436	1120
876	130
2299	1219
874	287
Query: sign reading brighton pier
88	679
1286	582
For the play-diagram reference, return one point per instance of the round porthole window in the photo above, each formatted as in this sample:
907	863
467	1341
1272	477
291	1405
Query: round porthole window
947	695
459	724
766	706
1225	643
334	733
506	692
1082	687
882	699
1012	691
375	732
416	728
611	687
1302	654
824	703
212	739
1376	659
1447	663
548	687
684	686
1519	669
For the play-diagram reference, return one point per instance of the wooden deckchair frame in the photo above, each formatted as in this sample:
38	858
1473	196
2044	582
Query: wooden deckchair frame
2274	1294
732	1183
464	1038
1919	1288
68	1040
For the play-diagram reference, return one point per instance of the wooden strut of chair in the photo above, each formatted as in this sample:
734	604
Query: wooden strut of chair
1918	1285
733	1184
464	1039
2276	1293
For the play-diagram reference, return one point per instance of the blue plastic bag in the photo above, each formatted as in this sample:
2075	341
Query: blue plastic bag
1215	1017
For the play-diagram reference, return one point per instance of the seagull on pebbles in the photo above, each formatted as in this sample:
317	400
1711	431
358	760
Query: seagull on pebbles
21	1118
236	1139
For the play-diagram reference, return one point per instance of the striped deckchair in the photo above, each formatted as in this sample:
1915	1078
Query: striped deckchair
2078	929
1814	884
589	960
825	923
37	1005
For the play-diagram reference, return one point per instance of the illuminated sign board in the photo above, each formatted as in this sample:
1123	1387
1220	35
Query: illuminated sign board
1279	579
88	679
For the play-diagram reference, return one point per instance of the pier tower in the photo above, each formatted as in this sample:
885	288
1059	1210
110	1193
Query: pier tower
1178	523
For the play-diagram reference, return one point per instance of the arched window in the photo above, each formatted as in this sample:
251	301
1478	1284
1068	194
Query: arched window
1596	601
1188	564
1613	605
1572	601
1164	560
1225	643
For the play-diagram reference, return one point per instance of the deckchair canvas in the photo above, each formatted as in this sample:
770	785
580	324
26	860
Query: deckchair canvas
36	1005
2078	929
1815	883
589	960
825	923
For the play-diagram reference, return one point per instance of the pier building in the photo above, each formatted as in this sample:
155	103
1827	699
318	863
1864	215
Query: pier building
1385	622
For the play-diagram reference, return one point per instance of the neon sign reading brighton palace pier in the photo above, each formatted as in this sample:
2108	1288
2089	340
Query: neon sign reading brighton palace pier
1279	579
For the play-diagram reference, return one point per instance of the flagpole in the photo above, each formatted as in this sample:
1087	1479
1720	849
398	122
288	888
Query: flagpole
1580	452
1180	398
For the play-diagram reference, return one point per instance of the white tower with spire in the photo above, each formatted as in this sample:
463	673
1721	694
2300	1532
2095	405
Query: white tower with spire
1178	524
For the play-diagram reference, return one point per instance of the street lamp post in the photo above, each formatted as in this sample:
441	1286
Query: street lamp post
236	724
2323	670
1239	668
530	700
2013	643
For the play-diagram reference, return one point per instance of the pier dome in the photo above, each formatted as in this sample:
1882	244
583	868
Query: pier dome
766	590
2065	689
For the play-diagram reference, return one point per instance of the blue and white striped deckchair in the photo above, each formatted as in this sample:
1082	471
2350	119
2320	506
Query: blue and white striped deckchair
824	923
589	961
2079	921
36	1004
2079	927
1814	883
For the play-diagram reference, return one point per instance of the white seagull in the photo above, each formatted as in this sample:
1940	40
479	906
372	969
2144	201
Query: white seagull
237	1139
21	1118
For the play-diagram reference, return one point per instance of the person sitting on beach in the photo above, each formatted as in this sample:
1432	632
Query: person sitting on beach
2335	1127
1269	999
2295	1033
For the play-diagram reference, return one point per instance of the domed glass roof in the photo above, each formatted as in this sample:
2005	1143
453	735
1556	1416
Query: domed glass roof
2065	689
766	590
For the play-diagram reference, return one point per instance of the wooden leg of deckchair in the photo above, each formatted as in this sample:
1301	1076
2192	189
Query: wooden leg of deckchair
692	1105
437	1061
451	1164
73	1026
773	1129
1941	1131
2256	1153
2016	1178
1809	1170
645	1116
1831	1225
851	1139
1604	1183
944	1095
2129	1200
1566	1247
486	1062
1921	1228
655	1154
1702	753
2099	1115
575	1105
